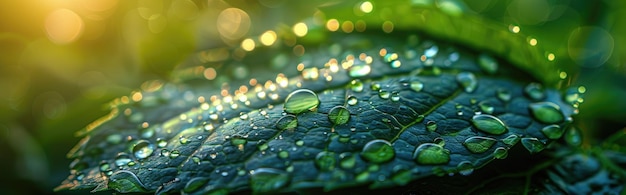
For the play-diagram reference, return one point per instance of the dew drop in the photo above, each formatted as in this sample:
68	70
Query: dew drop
287	122
489	124
356	85
478	144
196	159
465	168
417	86
325	161
375	86
361	70
378	151
486	107
301	100
503	94
546	112
262	145
161	143
431	52
339	115
431	126
395	96
352	101
534	91
533	145
283	154
467	80
266	180
347	161
299	142
552	131
147	132
573	136
511	140
209	127
106	168
384	94
487	63
142	149
122	159
431	154
500	153
183	140
174	153
238	140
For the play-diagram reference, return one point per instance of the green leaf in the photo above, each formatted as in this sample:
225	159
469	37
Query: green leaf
367	109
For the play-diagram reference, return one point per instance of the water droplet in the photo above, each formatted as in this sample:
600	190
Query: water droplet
209	127
431	52
395	96
262	145
375	86
419	118
431	154
356	85
384	94
489	124
125	181
174	153
500	153
339	115
283	154
183	140
503	94
359	70
378	151
352	101
465	168
243	116
467	80
301	100
165	152
106	168
161	143
533	145
347	160
390	57
486	107
325	161
478	144
534	91
417	86
147	132
573	136
195	183
267	180
362	177
299	143
196	159
487	63
122	159
287	122
395	64
511	140
546	112
571	95
431	126
142	149
552	131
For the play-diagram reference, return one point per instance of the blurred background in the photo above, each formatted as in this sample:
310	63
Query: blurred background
62	61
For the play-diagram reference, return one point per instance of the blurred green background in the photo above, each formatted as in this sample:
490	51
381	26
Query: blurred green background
61	61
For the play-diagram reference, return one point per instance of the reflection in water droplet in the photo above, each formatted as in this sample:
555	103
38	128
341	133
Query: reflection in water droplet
478	144
487	63
395	96
431	154
511	140
552	131
122	159
384	94
378	151
465	168
431	52
161	143
339	115
287	122
534	91
325	161
467	80
546	112
301	100
266	180
489	124
503	94
352	101
356	85
142	149
486	107
533	145
174	153
417	86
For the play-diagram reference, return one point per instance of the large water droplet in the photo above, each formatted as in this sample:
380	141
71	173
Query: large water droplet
552	131
533	145
489	124
356	85
352	101
465	168
378	151
357	71
142	149
325	161
266	180
347	160
383	94
287	122
431	126
431	154
339	115
486	107
301	100
122	159
467	80
573	136
395	96
417	86
511	140
487	63
125	181
106	168
500	153
534	91
161	143
478	144
546	112
195	183
503	94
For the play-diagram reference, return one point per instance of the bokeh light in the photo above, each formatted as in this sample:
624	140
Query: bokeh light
64	26
300	29
233	23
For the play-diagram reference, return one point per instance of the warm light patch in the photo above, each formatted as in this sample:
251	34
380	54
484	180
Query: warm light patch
137	96
366	7
300	29
64	26
332	25
210	73
248	44
387	26
268	38
532	42
233	23
551	57
347	27
514	29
